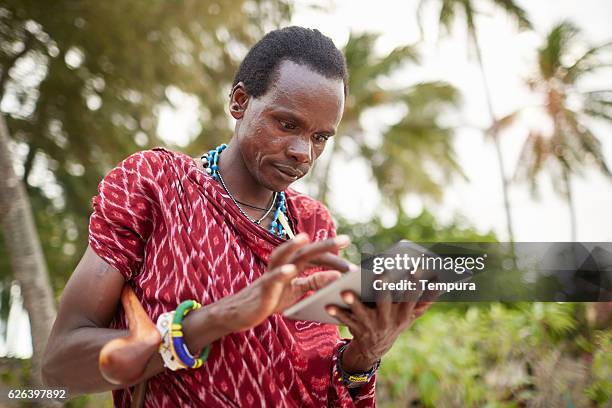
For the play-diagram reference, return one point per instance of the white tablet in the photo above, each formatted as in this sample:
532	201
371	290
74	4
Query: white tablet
312	308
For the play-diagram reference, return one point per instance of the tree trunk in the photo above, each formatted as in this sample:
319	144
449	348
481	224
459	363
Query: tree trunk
25	253
570	203
496	142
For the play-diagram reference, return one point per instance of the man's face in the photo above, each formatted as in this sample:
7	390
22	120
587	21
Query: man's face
281	133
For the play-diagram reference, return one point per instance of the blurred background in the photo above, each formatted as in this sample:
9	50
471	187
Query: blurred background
467	120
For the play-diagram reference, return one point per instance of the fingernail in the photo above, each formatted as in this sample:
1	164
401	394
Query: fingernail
349	298
331	311
287	269
342	240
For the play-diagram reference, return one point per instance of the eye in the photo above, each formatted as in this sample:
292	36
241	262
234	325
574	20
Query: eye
287	125
321	138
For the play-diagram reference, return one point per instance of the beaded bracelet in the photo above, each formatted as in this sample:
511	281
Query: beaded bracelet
176	332
166	349
354	380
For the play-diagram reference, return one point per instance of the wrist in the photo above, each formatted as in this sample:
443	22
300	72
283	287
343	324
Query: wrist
354	360
354	377
204	326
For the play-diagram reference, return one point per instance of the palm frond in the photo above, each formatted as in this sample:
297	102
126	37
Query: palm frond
598	104
557	44
586	63
534	153
417	154
366	67
431	97
447	15
516	12
587	143
504	122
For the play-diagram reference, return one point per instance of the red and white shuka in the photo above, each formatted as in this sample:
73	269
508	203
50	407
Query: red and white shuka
174	234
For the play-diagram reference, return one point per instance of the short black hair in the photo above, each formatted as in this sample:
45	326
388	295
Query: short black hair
297	44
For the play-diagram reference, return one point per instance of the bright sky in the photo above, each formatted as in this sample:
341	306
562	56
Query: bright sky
509	58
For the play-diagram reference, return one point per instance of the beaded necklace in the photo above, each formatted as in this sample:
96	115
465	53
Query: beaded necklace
210	162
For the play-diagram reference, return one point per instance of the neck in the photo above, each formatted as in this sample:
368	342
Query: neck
239	179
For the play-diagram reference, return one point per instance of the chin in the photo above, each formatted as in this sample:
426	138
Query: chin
277	186
272	181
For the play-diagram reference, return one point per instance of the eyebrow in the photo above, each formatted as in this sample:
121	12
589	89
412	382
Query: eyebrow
290	114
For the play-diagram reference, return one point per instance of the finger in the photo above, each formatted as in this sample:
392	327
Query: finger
283	252
330	260
409	301
315	281
317	248
421	307
384	306
280	276
346	318
361	312
274	284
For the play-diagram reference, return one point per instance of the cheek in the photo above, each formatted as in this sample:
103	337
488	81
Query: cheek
261	145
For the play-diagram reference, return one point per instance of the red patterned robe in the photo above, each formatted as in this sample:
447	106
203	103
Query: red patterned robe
174	234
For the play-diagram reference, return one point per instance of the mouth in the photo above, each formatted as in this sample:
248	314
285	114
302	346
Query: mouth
288	173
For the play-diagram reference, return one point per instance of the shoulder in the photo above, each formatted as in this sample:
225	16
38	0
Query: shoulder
153	162
158	156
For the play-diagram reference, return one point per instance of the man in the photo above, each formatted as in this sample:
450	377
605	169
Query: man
174	229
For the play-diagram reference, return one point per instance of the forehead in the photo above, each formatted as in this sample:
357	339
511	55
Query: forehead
299	87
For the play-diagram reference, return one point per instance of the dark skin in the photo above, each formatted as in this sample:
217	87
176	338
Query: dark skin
277	138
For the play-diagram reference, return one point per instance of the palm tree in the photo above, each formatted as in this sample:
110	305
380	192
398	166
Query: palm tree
417	153
408	147
25	252
449	11
18	226
570	146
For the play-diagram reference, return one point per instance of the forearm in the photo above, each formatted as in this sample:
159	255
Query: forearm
205	325
72	359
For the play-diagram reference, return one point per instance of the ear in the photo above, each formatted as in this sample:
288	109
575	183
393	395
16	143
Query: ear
239	100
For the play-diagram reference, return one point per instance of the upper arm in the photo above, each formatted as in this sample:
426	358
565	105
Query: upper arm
124	212
91	296
119	227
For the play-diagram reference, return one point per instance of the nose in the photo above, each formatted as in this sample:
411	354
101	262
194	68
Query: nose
300	150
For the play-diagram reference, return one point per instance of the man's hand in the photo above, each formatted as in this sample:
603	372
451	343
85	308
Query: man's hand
374	329
280	286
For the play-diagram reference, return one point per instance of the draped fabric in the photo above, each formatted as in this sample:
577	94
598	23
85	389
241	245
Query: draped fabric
174	234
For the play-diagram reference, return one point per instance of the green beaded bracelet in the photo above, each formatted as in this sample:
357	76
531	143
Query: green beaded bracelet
176	333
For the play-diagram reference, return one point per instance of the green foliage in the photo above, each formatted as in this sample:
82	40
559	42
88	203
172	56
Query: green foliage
467	10
372	236
415	154
485	354
494	355
417	148
600	389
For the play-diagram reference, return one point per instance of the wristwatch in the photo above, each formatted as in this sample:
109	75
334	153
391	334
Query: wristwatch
354	380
